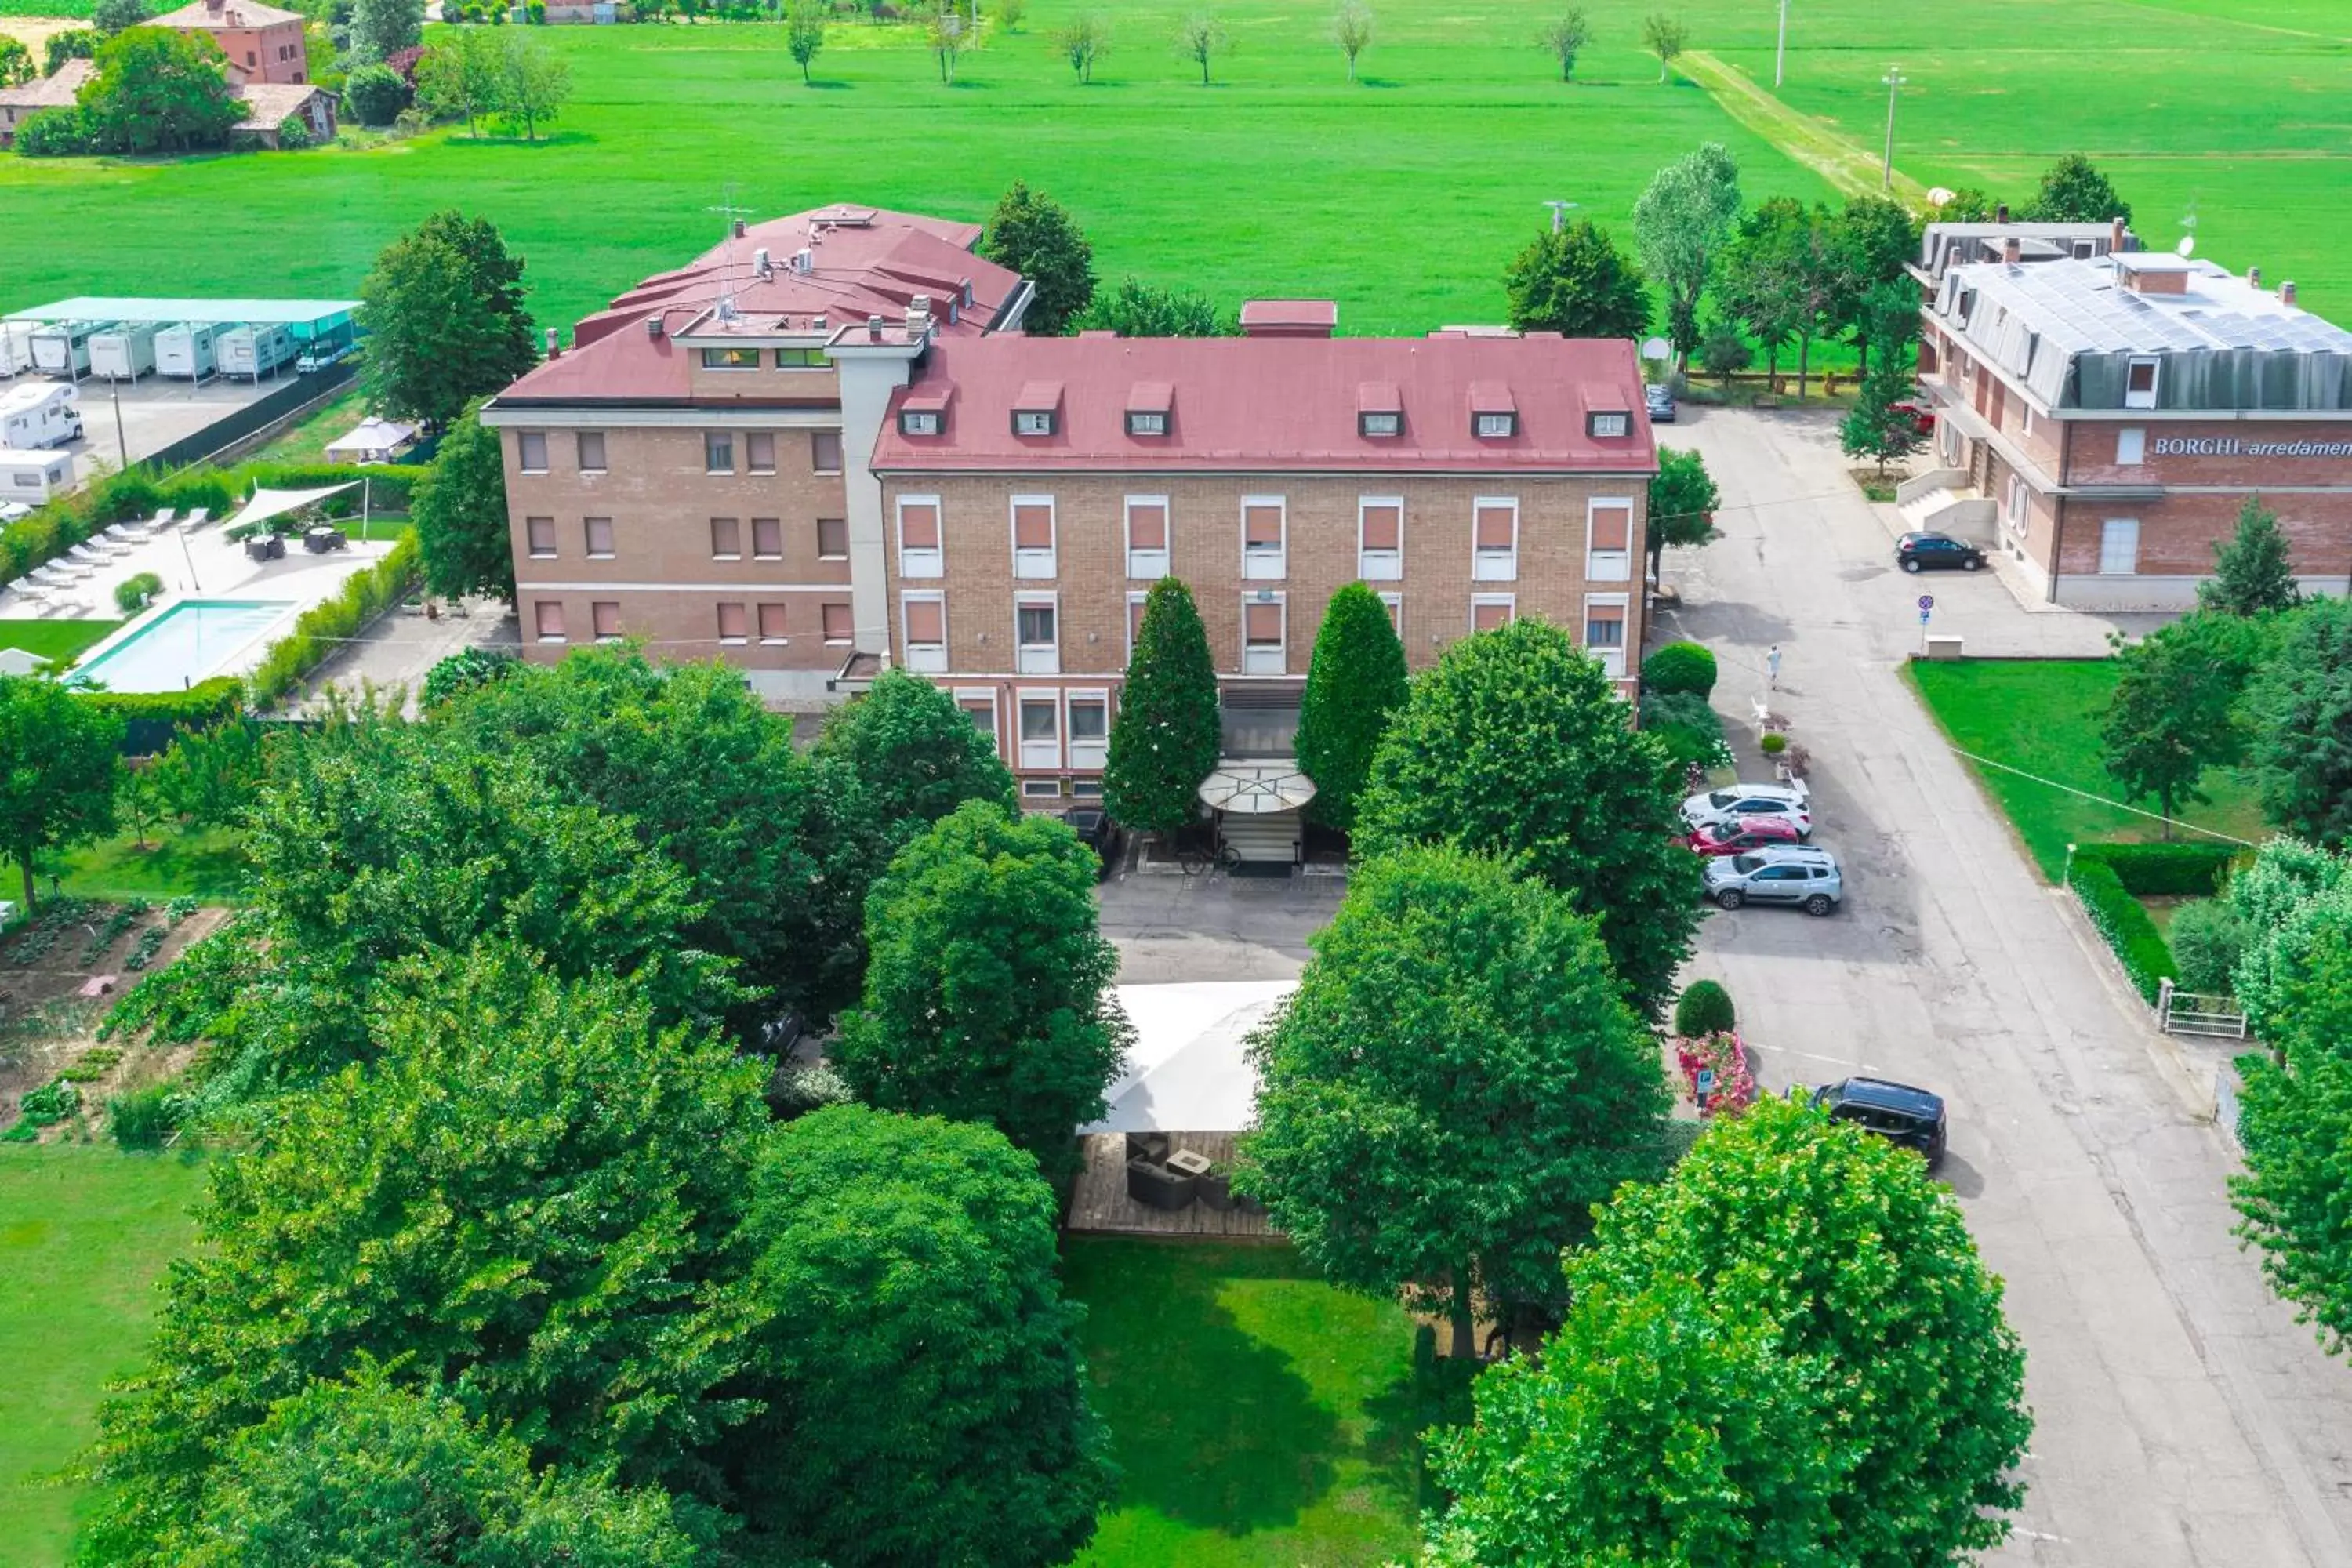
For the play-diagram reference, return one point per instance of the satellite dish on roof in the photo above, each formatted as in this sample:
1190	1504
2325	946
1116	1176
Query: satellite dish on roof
2187	245
1656	347
1940	197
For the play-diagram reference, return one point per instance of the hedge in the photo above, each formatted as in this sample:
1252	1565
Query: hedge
364	595
2121	918
151	719
2164	870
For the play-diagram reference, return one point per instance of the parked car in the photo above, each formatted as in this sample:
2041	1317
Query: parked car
1902	1115
1922	418
1932	552
1660	402
1802	876
1737	834
1099	832
1792	801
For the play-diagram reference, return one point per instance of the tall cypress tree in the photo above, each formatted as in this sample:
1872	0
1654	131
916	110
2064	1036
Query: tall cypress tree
1356	681
1166	739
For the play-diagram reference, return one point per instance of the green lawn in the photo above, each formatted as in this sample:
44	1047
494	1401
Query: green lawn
208	864
84	1232
2043	716
306	442
1261	1418
53	639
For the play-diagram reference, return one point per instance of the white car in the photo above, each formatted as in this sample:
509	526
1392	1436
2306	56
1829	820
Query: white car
11	510
1790	802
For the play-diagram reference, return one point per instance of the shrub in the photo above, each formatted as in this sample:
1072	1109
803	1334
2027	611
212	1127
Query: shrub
464	671
61	132
294	134
2164	870
374	95
131	594
1774	742
1691	728
143	1117
364	595
2138	946
1679	666
537	13
2206	937
152	718
1703	1008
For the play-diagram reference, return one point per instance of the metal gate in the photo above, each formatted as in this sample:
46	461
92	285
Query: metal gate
2181	1012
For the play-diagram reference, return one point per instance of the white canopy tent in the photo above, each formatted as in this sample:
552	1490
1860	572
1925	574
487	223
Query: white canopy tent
268	504
1189	1071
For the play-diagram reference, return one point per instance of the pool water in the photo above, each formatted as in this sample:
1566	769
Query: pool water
189	642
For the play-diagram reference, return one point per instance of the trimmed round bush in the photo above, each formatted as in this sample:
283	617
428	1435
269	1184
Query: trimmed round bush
131	594
1703	1008
1774	742
2206	937
1679	666
374	95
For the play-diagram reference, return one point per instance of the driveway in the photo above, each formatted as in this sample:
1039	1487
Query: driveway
1170	929
2182	1417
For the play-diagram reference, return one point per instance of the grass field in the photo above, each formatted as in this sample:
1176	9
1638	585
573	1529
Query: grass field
53	639
84	1232
1261	1418
207	863
2043	716
306	442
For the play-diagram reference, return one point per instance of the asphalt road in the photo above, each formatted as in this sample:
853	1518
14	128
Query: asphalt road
2182	1417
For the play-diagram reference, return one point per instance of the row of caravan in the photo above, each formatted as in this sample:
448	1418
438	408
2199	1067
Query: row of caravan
191	351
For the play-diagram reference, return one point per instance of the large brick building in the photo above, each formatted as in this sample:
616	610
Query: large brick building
2103	414
263	44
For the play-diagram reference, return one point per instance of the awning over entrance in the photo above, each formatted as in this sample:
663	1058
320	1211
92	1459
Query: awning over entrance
1256	789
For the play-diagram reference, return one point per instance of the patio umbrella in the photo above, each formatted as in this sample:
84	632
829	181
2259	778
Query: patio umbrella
1256	789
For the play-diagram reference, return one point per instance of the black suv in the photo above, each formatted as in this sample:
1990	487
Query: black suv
1912	1117
1932	552
1097	832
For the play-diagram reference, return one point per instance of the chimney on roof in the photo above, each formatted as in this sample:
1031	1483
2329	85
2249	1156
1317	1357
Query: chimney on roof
2114	236
874	329
652	326
551	349
2253	277
918	316
2011	251
2001	213
739	228
2287	293
1289	318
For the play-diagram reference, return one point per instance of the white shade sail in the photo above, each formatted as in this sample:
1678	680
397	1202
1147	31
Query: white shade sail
266	504
1256	789
1188	1068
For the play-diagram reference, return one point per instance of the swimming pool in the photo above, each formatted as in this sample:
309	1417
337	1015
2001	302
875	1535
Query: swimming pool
187	642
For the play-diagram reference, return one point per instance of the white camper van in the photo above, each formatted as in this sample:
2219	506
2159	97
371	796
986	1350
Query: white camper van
189	351
125	354
255	351
29	479
33	417
65	349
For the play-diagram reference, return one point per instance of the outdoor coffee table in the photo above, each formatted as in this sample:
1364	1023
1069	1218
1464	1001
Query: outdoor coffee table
1189	1163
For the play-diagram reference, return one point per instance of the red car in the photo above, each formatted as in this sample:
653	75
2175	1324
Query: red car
1741	834
1922	418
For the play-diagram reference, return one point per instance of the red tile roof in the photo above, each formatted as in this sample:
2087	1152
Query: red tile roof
1278	403
863	261
234	14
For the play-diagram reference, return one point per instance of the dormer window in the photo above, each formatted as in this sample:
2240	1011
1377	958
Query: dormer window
1379	410
1037	410
1146	422
1495	426
919	422
1388	422
1606	423
1033	422
1149	403
1494	412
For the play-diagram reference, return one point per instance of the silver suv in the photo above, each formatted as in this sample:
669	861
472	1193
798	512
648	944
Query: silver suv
1784	874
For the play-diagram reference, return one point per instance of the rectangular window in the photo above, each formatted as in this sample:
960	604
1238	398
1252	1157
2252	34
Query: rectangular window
604	614
923	621
730	359
1134	623
548	615
732	627
1604	631
1032	536
1495	426
919	422
1089	729
1494	540
540	533
1146	422
824	451
1489	611
802	359
1395	602
760	451
1262	652
979	707
2139	384
2131	447
530	450
1041	733
1087	789
1263	556
840	624
832	539
1377	425
598	533
592	451
726	539
772	623
718	452
919	537
1604	426
1036	636
1609	548
767	539
1380	538
1147	537
1033	422
2119	547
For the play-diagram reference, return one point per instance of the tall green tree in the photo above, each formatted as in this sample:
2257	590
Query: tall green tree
1036	235
381	28
2253	570
1576	283
534	82
2174	710
1517	744
1139	309
1355	685
58	770
1452	1087
369	1471
987	989
1683	500
16	62
446	320
159	90
804	23
113	17
531	1198
1166	738
2294	1123
920	756
1884	320
2073	191
1782	279
1563	37
2300	709
1816	1370
460	510
458	78
1878	426
1666	37
929	1401
1874	240
1681	224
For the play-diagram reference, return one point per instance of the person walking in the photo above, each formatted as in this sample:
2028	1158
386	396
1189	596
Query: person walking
1772	666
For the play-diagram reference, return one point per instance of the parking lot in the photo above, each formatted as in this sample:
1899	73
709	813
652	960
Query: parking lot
154	414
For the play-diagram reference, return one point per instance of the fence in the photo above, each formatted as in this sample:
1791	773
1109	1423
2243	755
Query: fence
2180	1012
296	395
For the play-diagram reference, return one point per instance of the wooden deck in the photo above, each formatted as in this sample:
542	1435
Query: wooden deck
1099	1205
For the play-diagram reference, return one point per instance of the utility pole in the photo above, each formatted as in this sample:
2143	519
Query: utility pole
121	445
1894	79
1558	215
1780	58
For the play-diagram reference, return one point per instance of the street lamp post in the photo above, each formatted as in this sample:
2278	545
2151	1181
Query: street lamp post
1780	55
121	445
1894	79
1558	215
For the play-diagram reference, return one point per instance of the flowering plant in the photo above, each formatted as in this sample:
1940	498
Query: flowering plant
1727	1054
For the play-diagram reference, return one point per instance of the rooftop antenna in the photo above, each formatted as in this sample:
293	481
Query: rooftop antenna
728	210
1558	215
